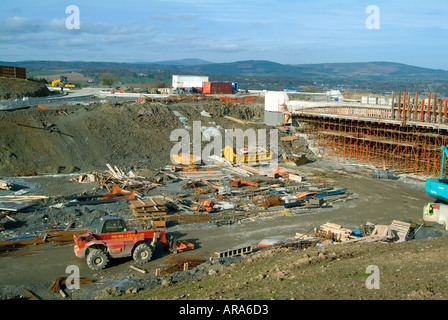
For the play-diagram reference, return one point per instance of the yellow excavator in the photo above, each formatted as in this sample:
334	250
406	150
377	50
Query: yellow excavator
62	81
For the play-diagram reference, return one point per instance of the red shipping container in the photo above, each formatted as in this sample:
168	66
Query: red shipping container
217	87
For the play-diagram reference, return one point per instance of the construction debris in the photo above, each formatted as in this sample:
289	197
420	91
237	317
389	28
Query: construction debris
5	185
179	263
331	233
138	269
9	246
116	176
234	252
151	207
18	203
59	283
32	295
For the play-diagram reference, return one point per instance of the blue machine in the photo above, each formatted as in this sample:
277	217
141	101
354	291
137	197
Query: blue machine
438	187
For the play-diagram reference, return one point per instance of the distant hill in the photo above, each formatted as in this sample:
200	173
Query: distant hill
360	70
183	62
262	74
80	65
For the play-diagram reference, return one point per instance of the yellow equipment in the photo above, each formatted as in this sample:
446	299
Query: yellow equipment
62	82
247	154
185	158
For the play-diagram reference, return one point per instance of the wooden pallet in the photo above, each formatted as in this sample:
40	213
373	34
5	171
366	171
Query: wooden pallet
148	207
401	228
334	232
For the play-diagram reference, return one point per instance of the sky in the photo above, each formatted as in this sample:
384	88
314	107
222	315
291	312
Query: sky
284	31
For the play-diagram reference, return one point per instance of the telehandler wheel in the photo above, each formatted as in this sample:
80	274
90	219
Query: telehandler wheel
142	253
97	259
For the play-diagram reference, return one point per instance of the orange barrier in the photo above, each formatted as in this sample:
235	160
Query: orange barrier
228	99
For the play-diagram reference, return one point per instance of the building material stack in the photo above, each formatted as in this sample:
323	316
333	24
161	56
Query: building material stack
333	232
152	207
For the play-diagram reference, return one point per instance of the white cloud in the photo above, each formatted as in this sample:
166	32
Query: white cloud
227	47
17	25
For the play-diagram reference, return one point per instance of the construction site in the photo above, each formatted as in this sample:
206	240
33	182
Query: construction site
93	183
405	135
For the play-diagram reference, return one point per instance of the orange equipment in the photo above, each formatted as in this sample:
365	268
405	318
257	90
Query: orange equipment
238	182
183	245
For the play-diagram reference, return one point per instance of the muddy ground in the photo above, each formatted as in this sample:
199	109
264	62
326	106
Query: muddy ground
85	135
11	89
89	136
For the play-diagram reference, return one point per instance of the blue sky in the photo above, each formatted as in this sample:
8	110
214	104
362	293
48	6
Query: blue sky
284	31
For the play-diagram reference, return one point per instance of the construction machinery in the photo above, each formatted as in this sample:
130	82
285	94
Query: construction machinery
108	237
204	205
436	212
186	158
247	154
62	82
437	188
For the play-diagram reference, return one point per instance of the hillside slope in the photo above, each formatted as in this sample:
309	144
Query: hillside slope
407	271
356	70
11	89
68	138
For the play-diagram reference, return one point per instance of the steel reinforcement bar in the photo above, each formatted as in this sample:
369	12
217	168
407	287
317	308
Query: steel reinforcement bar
394	146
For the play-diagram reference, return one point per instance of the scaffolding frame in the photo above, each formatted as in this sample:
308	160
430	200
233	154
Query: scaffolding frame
404	138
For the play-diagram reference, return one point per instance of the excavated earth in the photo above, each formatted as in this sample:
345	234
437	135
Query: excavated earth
41	150
11	89
78	137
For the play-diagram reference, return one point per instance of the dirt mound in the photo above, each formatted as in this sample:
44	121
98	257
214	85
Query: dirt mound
11	89
82	137
407	271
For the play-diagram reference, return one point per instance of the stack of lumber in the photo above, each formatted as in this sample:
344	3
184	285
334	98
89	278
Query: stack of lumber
17	203
206	174
254	170
11	246
381	232
240	171
152	207
333	232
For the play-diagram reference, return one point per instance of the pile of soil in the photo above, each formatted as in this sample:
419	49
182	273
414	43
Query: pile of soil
412	270
85	136
11	89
